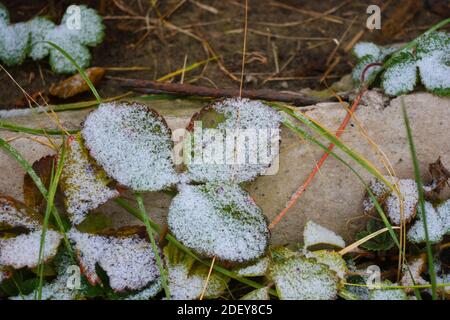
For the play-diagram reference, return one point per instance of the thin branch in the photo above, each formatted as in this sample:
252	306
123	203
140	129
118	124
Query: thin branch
148	86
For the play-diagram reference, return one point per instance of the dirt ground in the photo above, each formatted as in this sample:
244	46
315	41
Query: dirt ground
292	44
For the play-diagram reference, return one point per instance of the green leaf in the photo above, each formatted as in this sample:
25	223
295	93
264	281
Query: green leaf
382	242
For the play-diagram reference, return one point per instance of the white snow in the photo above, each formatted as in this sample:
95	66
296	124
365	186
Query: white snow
23	250
219	220
404	208
132	145
315	234
128	261
83	186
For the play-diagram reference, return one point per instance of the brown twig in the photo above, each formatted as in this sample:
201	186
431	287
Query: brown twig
148	86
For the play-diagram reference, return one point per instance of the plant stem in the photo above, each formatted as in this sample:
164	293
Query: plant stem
156	251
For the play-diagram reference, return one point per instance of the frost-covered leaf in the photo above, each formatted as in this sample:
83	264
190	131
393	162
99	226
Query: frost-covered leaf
23	250
146	293
435	72
187	278
63	37
362	49
258	294
387	294
432	42
14	43
219	220
14	214
443	210
400	77
435	223
90	31
382	242
59	288
39	27
404	208
129	261
132	144
254	269
332	259
300	278
416	267
73	35
380	191
84	184
238	141
314	235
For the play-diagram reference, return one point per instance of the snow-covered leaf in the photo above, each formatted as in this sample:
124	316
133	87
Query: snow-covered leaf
380	191
387	294
129	261
84	184
362	49
219	220
57	289
435	223
402	208
238	141
443	210
400	77
332	259
258	294
432	42
146	293
62	37
314	235
254	269
39	27
416	267
300	278
435	72
14	43
132	144
91	27
23	250
187	278
15	214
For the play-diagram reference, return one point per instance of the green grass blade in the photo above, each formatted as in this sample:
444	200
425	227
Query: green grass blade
159	262
418	178
54	181
39	132
80	70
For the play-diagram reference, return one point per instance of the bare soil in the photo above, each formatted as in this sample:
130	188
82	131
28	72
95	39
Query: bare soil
289	41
